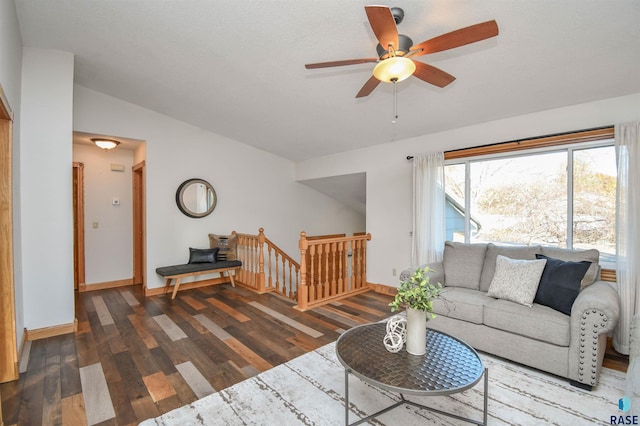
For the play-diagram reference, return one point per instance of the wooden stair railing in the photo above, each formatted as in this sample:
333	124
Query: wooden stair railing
331	269
273	271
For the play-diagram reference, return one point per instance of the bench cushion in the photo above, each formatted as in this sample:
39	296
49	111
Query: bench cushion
167	271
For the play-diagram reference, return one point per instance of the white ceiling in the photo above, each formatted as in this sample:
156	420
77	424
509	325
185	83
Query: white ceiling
237	67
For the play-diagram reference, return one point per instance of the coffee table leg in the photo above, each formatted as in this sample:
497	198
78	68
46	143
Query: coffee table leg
346	398
486	394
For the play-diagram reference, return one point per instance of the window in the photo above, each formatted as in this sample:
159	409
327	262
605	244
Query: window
558	195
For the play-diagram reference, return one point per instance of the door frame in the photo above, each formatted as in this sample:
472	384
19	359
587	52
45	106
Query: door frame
138	173
79	280
8	332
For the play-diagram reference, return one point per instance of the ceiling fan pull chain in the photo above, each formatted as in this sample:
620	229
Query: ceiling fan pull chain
395	102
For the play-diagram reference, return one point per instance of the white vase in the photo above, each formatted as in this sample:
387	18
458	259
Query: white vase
416	331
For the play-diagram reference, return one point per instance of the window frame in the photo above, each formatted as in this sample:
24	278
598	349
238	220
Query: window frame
565	142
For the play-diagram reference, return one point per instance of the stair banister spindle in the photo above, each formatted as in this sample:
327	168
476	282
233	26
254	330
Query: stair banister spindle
303	244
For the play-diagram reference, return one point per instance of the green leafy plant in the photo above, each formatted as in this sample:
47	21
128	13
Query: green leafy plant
417	292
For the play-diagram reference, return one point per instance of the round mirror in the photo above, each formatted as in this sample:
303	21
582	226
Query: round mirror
196	198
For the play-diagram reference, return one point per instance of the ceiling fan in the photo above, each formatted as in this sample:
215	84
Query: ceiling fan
395	50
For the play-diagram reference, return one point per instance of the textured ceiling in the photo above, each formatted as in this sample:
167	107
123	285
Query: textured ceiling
237	67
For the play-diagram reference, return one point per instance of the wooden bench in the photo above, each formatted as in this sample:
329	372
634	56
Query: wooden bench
178	272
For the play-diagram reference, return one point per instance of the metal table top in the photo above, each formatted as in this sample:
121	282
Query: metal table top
448	366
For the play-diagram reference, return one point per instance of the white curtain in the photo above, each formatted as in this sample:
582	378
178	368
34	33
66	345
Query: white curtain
628	229
428	208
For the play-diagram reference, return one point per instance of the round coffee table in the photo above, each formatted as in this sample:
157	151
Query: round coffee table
449	366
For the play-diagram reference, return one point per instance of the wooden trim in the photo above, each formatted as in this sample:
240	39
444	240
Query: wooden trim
8	333
139	224
56	330
106	284
139	166
6	113
383	289
21	347
327	300
156	291
78	219
608	275
541	142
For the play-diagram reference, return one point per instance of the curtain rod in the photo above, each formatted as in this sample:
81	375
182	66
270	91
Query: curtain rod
410	157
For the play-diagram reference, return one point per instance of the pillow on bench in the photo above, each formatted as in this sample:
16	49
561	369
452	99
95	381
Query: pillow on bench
227	245
202	255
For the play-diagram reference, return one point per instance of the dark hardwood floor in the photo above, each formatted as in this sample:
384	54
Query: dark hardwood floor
138	357
134	357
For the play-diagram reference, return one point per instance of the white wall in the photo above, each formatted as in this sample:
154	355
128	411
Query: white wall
254	188
389	174
10	79
46	187
109	247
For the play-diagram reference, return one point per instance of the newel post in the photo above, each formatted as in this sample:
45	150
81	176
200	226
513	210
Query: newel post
261	276
303	290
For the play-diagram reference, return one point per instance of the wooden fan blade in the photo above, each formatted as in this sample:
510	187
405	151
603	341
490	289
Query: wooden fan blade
432	75
340	63
368	87
383	25
458	38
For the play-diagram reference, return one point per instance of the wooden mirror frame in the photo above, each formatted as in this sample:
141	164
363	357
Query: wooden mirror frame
180	198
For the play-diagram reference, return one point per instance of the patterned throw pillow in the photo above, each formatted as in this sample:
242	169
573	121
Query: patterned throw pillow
516	280
227	245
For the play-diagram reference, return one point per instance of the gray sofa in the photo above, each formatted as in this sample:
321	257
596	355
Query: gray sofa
538	336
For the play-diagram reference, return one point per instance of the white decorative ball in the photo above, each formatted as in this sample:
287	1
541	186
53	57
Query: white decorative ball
396	333
393	342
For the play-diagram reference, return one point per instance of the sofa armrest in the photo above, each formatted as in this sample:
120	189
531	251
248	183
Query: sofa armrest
594	313
601	297
435	276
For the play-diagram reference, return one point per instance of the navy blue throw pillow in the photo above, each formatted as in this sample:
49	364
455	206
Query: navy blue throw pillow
202	255
560	283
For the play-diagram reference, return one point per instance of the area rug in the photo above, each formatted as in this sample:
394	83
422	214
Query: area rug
309	390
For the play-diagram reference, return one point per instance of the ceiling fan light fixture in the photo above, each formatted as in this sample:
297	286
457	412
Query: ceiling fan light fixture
394	69
106	144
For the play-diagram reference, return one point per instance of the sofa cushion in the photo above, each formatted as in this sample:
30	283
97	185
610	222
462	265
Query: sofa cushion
512	252
560	283
593	256
462	303
538	322
463	264
516	280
